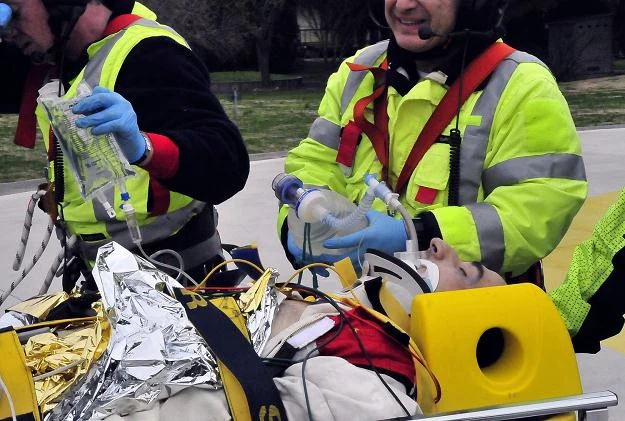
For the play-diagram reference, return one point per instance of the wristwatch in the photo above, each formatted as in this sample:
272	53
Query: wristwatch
148	150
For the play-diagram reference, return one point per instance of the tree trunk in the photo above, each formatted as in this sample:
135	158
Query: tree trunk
263	49
620	29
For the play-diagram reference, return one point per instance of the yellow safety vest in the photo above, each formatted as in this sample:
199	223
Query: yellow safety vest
522	178
86	218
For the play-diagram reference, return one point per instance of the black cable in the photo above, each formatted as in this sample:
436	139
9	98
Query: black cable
306	239
455	139
315	282
343	317
307	249
59	165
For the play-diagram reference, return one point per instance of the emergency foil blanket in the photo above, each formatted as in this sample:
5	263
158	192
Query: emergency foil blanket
259	304
72	350
154	351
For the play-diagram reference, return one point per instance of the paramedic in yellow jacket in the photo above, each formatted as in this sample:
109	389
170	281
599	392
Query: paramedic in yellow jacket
153	93
503	192
591	299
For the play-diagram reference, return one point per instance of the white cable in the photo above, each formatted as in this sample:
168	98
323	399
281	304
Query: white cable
42	248
55	265
21	250
28	222
6	392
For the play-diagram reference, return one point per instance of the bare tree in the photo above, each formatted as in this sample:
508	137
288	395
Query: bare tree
224	28
340	25
204	25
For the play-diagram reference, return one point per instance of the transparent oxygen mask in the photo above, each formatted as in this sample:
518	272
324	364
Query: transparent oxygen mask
97	162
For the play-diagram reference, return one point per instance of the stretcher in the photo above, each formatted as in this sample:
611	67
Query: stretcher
532	373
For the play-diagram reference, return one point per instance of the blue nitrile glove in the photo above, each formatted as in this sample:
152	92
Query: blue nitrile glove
297	252
109	112
384	233
5	14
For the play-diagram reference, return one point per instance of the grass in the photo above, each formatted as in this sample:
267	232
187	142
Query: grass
272	121
16	162
596	102
243	76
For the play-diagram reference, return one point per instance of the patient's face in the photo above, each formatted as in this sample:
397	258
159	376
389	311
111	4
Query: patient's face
457	274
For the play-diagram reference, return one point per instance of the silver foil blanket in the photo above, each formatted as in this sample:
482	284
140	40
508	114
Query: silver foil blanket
154	351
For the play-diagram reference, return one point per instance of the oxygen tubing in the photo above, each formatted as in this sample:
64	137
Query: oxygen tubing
345	223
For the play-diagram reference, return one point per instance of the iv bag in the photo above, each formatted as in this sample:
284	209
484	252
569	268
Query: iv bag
96	161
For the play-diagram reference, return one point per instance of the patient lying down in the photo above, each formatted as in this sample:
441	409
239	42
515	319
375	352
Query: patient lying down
342	381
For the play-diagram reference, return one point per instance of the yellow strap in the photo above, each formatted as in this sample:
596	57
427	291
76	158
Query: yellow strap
17	378
346	272
237	401
239	408
393	308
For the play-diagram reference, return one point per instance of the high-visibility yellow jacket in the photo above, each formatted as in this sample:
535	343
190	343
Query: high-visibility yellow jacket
522	178
89	218
591	298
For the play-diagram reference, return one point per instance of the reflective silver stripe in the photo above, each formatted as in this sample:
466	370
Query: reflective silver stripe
159	228
475	139
325	132
366	58
513	171
489	233
93	71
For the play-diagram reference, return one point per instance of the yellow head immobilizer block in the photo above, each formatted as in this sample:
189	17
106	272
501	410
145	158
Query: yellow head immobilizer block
536	361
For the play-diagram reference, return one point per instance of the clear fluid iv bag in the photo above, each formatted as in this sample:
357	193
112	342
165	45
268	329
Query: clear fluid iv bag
97	162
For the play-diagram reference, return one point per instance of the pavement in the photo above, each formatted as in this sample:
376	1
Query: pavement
250	217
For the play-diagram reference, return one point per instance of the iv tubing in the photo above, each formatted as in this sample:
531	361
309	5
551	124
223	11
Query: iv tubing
180	271
135	235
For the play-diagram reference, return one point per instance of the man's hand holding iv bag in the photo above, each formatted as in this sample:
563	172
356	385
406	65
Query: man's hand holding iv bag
109	112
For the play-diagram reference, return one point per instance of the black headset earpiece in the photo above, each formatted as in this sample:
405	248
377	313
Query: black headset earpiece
482	16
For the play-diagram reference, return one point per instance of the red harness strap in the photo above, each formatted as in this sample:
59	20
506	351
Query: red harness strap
26	124
350	136
26	131
378	132
476	73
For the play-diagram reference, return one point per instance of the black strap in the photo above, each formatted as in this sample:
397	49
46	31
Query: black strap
233	350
